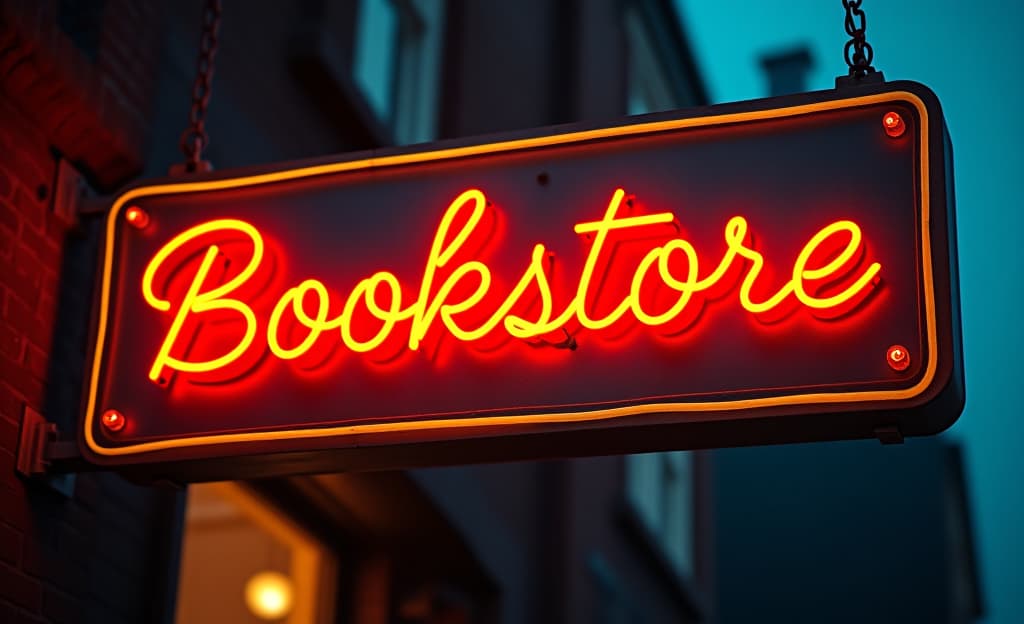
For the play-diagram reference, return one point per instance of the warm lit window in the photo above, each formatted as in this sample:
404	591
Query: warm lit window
659	489
396	63
244	561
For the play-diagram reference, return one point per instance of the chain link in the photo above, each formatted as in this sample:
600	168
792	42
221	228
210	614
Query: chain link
195	139
858	52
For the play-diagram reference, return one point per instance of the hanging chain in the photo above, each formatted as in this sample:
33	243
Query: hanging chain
856	24
195	139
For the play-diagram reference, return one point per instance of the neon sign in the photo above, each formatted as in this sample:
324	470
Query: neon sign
449	296
841	240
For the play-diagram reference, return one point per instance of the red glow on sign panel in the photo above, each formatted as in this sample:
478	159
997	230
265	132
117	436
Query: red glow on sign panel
826	279
673	283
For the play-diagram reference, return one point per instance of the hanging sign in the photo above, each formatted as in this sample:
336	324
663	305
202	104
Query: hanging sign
772	271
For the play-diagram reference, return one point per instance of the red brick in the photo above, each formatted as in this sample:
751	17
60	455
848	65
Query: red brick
20	588
20	380
10	544
22	76
39	94
11	343
61	608
21	276
15	510
7	238
24	319
36	361
68	134
11	407
8	435
50	282
47	307
39	245
57	230
41	271
17	52
25	151
5	185
8	474
30	208
9	216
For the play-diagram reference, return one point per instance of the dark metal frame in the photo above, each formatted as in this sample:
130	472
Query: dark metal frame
931	412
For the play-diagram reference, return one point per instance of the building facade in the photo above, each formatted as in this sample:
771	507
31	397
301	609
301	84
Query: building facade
96	95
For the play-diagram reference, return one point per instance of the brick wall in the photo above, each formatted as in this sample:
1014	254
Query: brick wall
107	553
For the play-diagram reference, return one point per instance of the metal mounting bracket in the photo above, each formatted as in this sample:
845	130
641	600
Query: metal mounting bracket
843	82
36	434
41	453
182	169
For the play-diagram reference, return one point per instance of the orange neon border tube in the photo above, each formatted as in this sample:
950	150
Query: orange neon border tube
812	398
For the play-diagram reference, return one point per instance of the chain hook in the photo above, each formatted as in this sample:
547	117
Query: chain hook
195	139
857	51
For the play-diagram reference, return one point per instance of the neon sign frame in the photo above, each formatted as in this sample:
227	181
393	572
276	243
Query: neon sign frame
905	407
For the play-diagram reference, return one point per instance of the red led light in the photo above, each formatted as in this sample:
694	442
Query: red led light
137	217
113	420
893	124
898	358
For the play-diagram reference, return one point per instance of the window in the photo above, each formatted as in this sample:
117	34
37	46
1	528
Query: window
648	84
243	561
396	64
659	490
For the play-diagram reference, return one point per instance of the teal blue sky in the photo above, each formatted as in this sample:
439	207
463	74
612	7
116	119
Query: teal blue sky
969	54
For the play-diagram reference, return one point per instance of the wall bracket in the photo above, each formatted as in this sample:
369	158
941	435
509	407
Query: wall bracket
42	453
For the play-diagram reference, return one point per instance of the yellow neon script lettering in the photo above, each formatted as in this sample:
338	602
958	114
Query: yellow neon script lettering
196	301
433	303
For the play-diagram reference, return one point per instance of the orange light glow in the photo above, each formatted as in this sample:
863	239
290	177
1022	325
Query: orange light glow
137	217
113	420
443	299
898	357
893	124
269	595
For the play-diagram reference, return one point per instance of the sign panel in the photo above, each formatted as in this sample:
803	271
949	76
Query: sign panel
771	271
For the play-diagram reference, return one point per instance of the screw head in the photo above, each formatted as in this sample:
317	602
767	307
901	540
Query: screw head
898	358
